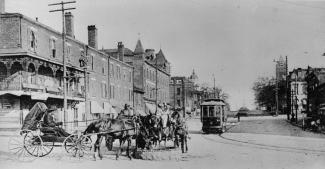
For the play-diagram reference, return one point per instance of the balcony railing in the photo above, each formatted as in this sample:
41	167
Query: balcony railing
27	81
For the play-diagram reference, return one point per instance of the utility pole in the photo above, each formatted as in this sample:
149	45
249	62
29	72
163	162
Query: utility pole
214	86
296	96
286	91
276	88
86	82
156	66
62	10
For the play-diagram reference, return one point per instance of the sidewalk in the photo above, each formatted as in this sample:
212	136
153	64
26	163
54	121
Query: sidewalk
300	125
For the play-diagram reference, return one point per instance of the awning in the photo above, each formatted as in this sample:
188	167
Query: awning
117	109
81	107
151	108
39	96
95	107
53	89
108	109
114	112
16	93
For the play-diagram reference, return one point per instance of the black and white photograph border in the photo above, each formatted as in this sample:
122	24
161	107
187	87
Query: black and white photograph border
162	84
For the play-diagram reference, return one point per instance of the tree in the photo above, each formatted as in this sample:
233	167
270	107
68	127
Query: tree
217	92
265	90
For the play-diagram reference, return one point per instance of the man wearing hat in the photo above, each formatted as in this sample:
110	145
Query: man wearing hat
50	122
126	112
159	110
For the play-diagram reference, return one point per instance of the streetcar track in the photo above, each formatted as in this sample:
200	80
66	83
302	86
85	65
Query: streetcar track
240	143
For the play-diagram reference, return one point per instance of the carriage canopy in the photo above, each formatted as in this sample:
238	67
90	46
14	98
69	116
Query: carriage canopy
34	116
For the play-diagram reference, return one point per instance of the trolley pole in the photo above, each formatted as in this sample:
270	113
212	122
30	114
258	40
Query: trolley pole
62	10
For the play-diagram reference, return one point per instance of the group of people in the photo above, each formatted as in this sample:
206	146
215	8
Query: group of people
157	125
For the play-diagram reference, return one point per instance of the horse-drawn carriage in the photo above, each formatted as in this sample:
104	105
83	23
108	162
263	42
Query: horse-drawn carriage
213	115
39	140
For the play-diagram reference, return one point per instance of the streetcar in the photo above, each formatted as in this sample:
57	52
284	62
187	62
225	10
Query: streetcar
213	116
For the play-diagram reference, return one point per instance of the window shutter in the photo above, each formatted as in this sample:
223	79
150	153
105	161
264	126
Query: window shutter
35	40
28	38
50	47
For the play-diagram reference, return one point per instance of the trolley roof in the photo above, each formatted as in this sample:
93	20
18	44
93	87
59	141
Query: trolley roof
213	102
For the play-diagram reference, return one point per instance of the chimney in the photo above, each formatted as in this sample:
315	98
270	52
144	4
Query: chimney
120	51
150	54
92	36
69	25
2	6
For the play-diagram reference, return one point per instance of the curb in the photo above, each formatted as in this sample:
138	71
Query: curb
306	129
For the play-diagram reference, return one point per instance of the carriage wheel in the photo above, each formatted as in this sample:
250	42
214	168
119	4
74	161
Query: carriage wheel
16	148
85	144
77	145
35	146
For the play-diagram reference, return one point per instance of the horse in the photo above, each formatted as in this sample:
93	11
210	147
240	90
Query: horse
144	136
115	129
181	131
167	129
155	129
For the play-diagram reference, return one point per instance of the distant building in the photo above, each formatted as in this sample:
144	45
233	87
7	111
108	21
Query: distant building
315	78
181	93
281	69
297	90
280	83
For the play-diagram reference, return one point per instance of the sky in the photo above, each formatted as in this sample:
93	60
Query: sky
235	41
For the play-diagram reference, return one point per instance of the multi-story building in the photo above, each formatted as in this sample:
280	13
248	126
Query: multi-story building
281	69
315	78
197	93
298	90
120	78
31	70
151	76
181	93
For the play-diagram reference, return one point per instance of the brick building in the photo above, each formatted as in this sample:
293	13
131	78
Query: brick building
150	69
31	70
181	93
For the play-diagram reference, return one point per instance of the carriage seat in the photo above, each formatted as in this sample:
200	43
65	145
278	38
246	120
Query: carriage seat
49	131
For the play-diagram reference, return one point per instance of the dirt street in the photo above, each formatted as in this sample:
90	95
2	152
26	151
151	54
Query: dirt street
253	143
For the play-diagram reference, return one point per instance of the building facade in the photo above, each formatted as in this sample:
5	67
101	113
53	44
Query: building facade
315	79
151	77
181	94
31	70
297	88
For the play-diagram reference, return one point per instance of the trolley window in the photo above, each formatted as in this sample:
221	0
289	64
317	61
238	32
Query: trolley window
211	111
205	111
